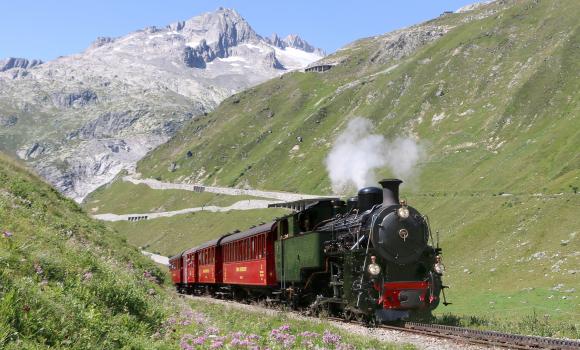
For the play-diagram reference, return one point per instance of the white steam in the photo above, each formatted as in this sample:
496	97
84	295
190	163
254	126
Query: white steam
357	153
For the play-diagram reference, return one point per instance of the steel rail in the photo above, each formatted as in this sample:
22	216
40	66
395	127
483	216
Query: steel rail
500	339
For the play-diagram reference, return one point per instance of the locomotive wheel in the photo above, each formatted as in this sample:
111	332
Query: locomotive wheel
348	315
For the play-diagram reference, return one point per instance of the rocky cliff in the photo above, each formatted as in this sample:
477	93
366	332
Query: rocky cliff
78	120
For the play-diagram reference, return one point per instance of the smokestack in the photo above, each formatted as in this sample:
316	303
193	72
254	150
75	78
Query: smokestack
390	191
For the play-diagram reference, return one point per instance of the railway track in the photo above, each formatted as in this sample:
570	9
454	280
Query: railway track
460	334
491	338
480	337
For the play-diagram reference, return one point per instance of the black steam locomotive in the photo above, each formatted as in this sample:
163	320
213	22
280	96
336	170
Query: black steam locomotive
367	259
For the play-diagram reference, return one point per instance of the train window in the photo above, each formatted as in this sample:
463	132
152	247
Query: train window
244	244
283	228
245	251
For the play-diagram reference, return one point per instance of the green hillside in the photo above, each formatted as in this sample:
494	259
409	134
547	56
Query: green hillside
66	280
69	282
122	197
496	101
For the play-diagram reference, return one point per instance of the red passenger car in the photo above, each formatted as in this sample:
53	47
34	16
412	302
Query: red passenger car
176	268
189	266
209	262
248	257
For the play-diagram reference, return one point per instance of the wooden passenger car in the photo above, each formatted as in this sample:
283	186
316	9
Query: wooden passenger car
175	266
189	262
248	257
207	264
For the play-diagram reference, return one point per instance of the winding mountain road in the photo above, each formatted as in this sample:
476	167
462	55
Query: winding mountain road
270	197
280	196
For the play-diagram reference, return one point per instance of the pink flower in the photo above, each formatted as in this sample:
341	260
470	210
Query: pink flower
212	331
307	334
7	234
330	338
216	344
186	341
87	276
38	269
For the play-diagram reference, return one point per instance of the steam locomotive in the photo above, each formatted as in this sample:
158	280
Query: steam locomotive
367	259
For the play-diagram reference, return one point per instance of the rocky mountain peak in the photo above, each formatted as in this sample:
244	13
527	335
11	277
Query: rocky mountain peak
15	62
115	101
223	25
293	41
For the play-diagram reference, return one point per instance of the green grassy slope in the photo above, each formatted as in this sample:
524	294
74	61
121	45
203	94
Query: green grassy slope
121	197
169	236
497	102
509	105
66	280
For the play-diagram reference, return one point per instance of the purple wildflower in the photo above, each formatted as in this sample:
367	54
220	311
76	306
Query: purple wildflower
216	344
38	269
289	341
200	340
254	337
330	338
212	331
186	341
237	335
308	334
284	328
7	234
87	276
171	321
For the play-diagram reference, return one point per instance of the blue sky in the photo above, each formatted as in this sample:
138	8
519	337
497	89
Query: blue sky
47	29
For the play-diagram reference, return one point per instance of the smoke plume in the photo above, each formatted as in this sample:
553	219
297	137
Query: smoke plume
357	153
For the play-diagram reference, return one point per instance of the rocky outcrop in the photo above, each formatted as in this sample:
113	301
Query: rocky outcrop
13	62
74	99
32	151
403	43
102	40
8	121
293	41
108	124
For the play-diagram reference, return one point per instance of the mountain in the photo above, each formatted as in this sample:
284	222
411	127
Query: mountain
477	85
78	120
492	97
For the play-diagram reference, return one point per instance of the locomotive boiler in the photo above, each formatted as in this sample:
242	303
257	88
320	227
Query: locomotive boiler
368	258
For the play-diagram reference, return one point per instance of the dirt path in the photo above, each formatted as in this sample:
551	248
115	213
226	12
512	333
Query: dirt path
160	259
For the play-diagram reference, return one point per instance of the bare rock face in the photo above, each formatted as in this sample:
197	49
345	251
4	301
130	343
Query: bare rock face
79	120
14	62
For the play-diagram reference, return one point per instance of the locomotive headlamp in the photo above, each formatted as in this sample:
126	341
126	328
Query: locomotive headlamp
403	212
374	268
